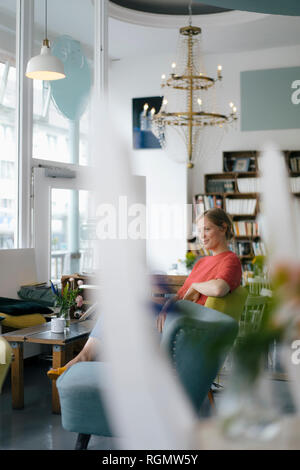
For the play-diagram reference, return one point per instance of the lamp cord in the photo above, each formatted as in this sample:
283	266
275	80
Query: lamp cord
190	12
46	21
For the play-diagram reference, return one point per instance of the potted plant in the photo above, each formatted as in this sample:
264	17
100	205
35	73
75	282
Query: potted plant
68	299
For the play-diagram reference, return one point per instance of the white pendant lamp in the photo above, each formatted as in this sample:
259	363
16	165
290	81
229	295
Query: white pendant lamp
45	66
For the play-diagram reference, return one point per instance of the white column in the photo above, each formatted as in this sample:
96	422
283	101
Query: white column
24	116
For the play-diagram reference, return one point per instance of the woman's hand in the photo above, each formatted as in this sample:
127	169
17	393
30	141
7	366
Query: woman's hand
192	294
160	321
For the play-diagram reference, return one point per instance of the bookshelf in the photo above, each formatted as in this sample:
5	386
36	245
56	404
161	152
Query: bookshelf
237	190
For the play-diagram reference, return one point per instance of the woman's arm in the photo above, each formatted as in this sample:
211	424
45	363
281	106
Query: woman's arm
90	352
212	288
161	318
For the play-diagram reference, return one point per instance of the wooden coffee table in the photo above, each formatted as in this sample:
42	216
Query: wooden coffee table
62	343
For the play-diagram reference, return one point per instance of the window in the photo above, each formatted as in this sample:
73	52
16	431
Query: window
8	153
55	136
7	170
71	247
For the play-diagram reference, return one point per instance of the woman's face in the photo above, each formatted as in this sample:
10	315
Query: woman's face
211	235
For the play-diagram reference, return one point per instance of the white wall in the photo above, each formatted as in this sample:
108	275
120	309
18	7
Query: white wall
165	180
233	64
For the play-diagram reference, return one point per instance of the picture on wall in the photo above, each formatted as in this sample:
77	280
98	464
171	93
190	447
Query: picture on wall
241	164
143	110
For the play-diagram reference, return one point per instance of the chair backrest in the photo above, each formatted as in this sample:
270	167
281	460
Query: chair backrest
252	314
231	304
198	339
256	284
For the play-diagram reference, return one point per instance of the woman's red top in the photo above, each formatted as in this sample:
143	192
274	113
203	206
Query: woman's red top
226	266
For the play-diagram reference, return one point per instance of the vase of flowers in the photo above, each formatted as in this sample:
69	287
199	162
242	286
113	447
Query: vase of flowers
68	299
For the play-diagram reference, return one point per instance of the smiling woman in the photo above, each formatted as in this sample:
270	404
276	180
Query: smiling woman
212	276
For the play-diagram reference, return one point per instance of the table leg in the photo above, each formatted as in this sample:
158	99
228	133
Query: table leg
58	360
17	376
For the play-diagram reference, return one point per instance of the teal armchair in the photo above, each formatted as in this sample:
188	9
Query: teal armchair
196	339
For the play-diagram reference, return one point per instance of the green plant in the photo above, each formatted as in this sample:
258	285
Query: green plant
68	297
258	265
190	259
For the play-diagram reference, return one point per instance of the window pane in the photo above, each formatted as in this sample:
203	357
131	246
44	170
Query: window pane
59	133
8	156
71	246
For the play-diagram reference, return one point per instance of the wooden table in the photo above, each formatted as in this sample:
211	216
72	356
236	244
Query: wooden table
61	346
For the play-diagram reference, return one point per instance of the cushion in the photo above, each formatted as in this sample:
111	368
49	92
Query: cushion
21	307
41	294
22	321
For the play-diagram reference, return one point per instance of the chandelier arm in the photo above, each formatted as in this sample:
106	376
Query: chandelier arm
188	114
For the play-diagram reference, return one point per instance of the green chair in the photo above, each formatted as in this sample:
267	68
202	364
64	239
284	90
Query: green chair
231	304
252	315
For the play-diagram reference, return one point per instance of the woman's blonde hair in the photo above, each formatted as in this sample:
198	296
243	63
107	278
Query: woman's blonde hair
219	217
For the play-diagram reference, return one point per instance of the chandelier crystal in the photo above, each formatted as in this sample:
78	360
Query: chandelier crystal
189	106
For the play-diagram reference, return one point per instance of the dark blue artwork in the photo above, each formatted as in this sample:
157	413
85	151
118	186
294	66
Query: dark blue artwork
143	110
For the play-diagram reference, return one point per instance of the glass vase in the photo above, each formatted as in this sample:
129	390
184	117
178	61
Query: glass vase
248	409
67	319
65	313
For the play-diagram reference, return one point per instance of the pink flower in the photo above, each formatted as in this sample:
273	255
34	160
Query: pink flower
79	301
80	282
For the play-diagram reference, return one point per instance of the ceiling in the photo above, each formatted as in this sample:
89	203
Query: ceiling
169	7
251	33
226	32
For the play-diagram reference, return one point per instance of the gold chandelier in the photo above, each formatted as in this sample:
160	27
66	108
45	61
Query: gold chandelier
189	104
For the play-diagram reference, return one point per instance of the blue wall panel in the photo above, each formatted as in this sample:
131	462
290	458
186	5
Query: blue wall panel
266	99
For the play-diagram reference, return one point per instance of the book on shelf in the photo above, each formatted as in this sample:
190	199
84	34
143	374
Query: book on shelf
241	206
295	184
220	186
259	248
295	164
204	202
248	248
246	228
244	248
248	185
